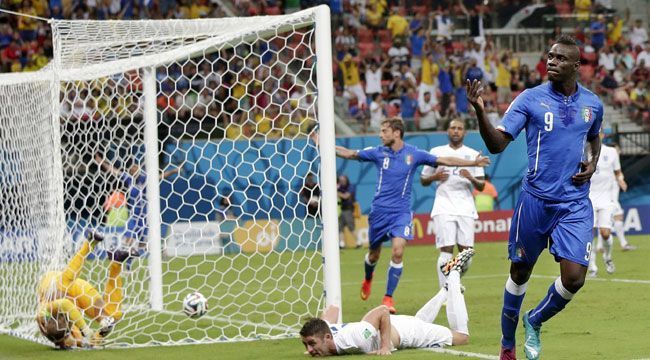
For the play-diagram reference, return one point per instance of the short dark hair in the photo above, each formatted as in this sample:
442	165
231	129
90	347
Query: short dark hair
395	123
315	327
460	120
565	39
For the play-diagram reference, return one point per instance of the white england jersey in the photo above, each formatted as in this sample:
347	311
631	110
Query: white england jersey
362	338
355	338
604	179
454	196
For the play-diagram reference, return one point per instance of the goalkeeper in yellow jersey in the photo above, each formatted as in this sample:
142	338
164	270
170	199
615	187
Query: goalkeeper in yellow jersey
64	299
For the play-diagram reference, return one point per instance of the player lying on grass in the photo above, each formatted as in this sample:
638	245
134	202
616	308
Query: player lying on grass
380	333
64	299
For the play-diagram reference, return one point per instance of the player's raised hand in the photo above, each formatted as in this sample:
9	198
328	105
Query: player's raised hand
481	160
474	90
587	169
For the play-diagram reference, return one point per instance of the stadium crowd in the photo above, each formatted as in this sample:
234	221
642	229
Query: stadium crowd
392	57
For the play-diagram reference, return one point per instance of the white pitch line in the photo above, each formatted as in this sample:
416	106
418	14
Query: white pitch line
233	321
629	281
463	353
490	276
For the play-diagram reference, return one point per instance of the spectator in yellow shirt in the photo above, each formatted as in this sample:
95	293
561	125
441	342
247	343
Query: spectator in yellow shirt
374	16
397	24
351	82
582	9
615	30
199	10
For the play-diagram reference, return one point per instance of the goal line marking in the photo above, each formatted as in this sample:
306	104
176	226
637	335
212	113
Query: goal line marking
462	353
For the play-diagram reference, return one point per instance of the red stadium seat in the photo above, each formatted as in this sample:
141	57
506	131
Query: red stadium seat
420	9
458	45
384	35
385	46
273	10
366	49
365	35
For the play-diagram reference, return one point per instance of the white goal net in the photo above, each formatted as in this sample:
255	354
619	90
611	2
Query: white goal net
191	144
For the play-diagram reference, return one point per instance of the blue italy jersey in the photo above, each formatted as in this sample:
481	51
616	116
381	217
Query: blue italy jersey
395	175
135	196
557	129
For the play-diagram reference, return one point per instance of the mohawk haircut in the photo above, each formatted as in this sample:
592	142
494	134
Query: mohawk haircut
566	40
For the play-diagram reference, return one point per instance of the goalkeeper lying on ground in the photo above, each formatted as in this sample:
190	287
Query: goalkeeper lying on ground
64	298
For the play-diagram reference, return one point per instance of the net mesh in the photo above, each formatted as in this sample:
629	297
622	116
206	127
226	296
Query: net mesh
31	222
238	177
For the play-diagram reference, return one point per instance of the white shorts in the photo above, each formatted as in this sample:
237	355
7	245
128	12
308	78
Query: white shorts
453	229
415	333
618	210
603	217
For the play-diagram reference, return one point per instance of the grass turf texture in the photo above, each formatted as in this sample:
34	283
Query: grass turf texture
608	319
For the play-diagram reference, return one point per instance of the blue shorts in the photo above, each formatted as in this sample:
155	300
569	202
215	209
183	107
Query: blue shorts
564	227
384	226
136	229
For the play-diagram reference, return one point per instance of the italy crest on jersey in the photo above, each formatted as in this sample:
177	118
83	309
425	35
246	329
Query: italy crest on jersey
586	114
408	159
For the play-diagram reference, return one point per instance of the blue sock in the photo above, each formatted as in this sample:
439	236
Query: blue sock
555	300
394	273
513	296
369	267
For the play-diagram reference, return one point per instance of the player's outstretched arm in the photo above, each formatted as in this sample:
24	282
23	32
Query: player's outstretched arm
171	172
331	314
480	160
379	317
346	153
107	166
587	168
495	140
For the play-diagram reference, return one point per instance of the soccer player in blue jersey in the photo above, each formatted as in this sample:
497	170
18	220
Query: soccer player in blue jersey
390	217
560	117
135	181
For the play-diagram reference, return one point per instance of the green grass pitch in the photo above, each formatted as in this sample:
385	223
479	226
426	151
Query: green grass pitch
608	319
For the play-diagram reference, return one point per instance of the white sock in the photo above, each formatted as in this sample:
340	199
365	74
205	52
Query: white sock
515	289
443	258
620	232
456	308
429	311
599	242
341	240
607	244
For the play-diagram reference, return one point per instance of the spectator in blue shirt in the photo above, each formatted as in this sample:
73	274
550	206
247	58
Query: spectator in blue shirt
409	106
597	29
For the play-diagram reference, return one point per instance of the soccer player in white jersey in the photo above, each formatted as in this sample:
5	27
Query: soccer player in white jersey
600	194
453	210
619	229
381	333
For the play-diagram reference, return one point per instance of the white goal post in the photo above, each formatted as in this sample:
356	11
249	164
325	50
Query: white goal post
191	144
